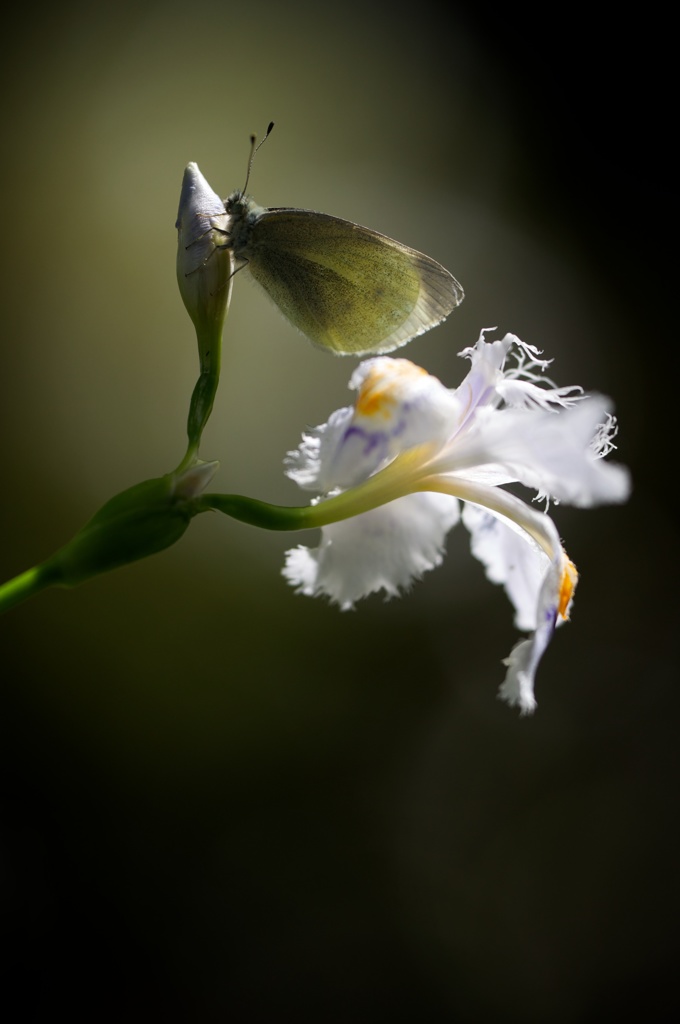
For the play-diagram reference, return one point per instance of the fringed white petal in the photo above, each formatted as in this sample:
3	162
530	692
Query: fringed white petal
385	549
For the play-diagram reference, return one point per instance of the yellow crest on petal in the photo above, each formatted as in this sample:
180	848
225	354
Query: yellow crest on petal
377	394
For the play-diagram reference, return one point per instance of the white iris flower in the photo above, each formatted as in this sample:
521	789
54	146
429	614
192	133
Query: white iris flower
391	472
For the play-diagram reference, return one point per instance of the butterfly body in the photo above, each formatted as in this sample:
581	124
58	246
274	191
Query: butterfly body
347	288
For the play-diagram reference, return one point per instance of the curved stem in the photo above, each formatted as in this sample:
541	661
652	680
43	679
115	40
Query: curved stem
404	475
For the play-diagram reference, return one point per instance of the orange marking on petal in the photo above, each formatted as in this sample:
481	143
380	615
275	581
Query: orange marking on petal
567	587
376	397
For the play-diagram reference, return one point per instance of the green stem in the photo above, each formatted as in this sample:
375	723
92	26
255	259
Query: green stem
398	478
260	513
201	406
26	585
208	325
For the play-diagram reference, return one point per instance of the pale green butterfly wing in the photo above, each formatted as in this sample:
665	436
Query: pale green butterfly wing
347	288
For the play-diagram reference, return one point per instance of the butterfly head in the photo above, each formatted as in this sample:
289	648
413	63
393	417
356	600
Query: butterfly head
243	213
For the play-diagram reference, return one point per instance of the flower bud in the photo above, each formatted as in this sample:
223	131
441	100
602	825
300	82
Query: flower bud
204	264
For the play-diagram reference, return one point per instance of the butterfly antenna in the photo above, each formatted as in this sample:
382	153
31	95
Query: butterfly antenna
253	151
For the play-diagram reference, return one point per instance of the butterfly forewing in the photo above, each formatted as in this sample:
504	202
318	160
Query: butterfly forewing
344	286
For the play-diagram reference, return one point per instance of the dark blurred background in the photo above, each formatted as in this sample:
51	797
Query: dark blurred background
222	800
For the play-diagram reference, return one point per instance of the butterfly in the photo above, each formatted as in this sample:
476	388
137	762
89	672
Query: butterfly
347	288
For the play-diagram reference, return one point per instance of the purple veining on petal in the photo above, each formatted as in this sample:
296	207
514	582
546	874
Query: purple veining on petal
371	440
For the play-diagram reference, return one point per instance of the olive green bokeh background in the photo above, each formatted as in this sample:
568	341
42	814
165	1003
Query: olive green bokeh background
222	798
